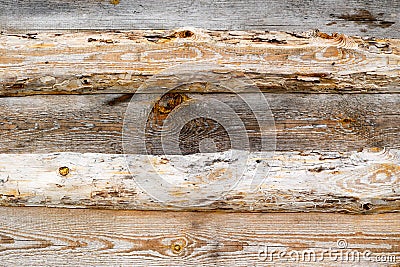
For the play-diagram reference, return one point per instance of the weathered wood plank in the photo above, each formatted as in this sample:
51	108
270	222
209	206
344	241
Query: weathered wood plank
357	182
355	17
59	237
93	123
120	62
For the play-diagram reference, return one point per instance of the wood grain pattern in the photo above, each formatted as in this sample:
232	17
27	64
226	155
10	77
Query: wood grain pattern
357	182
59	237
93	123
337	148
120	62
355	17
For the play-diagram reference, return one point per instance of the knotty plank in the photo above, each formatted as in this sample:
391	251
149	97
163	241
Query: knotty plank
355	17
120	62
355	182
59	237
93	123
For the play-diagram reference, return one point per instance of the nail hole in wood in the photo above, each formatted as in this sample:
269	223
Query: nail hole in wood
366	206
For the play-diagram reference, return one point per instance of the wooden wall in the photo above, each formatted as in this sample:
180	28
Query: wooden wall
72	71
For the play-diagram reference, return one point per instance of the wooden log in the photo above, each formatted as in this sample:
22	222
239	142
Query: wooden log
117	64
357	182
355	17
120	62
93	123
54	237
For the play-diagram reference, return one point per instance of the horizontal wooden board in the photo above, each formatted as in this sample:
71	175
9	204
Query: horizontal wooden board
356	17
93	123
121	62
59	237
356	182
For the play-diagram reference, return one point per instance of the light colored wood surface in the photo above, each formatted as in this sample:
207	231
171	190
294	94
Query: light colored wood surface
59	237
111	62
359	182
355	17
93	123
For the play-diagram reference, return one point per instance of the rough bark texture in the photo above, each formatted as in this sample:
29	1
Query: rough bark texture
113	62
361	182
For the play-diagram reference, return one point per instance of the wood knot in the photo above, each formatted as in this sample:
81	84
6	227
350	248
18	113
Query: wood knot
168	102
114	2
63	171
384	173
347	120
375	149
183	34
336	39
178	246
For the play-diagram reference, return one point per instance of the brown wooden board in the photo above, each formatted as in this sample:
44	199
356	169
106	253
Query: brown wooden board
59	237
93	123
